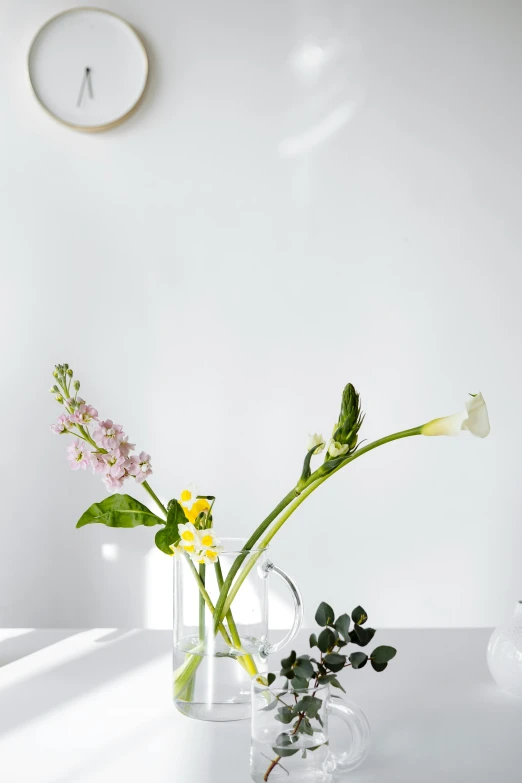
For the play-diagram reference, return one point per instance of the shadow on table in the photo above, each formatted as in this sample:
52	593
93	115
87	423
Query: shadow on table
43	692
20	645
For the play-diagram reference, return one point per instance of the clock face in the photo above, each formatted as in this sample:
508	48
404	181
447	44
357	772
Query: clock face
88	68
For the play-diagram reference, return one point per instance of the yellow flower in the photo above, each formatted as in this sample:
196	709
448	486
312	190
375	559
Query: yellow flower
192	505
208	548
197	507
188	537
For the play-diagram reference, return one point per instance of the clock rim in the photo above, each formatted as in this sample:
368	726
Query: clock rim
118	120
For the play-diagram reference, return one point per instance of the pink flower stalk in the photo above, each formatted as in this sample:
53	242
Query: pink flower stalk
78	455
62	424
125	447
109	435
84	414
139	467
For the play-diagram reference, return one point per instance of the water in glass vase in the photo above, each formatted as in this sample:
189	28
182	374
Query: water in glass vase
301	766
213	671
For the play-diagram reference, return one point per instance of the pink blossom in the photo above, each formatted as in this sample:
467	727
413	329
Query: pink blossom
62	424
125	447
78	455
113	482
98	463
139	467
115	465
84	414
109	435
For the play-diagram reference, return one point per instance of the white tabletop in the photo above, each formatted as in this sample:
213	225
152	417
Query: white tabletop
94	707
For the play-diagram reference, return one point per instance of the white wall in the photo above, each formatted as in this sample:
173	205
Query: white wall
219	267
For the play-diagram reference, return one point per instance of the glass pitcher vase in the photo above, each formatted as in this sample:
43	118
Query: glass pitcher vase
213	671
291	734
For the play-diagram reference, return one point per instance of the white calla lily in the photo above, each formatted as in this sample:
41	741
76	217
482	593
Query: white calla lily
473	418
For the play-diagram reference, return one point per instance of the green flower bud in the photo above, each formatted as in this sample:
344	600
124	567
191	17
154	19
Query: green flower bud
76	385
55	374
59	398
70	373
350	420
65	367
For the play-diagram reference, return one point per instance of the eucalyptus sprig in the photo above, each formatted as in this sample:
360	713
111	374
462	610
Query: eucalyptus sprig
305	674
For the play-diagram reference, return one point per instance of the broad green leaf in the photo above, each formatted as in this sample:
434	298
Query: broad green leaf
119	511
175	514
287	663
270	678
310	705
313	640
305	727
383	654
324	615
283	752
334	661
358	660
300	683
379	667
359	616
271	706
303	669
342	626
170	535
285	715
165	537
335	682
361	636
284	744
326	640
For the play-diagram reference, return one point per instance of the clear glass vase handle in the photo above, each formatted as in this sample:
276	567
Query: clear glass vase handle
355	750
269	648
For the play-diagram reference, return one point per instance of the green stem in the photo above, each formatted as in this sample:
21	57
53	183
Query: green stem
230	619
146	486
226	603
220	627
202	574
183	679
246	661
236	565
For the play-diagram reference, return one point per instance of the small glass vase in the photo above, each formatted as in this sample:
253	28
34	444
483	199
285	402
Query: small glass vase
213	671
505	654
300	750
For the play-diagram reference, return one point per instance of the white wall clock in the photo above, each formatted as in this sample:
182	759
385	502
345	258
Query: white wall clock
88	68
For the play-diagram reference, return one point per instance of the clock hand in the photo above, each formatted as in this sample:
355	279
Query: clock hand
82	87
89	82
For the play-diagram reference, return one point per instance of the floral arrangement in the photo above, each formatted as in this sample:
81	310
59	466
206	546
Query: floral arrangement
186	525
300	710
